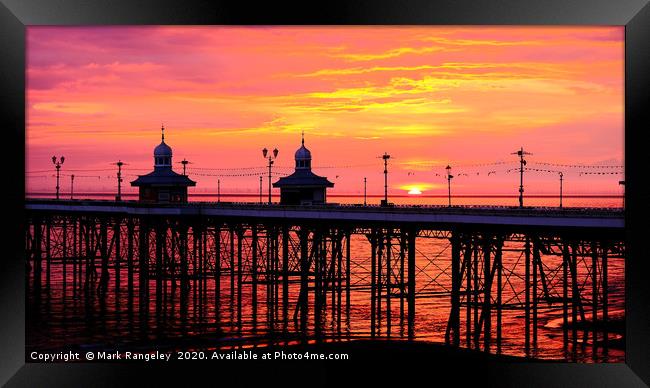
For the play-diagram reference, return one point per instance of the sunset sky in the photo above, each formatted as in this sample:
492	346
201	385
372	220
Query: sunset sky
429	96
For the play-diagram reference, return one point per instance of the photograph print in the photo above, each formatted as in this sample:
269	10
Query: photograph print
194	191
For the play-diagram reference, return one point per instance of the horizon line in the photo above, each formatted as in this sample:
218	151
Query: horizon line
358	195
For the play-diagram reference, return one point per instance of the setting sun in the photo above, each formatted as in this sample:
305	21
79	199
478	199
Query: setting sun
415	191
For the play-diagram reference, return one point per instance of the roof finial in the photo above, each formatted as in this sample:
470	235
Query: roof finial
162	130
303	137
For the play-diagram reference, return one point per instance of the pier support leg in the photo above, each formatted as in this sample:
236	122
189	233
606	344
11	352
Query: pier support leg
118	261
373	283
565	294
37	260
217	274
254	275
378	284
129	264
240	238
498	263
468	292
402	283
317	253
339	279
231	232
285	277
411	284
487	298
75	258
536	263
389	271
453	326
64	264
143	274
160	236
527	296
605	303
594	298
574	300
347	280
304	279
184	281
48	255
476	292
103	283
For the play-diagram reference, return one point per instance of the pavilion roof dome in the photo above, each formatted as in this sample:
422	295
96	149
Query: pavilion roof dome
303	153
162	149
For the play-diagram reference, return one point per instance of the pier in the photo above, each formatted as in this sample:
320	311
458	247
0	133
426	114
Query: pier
280	271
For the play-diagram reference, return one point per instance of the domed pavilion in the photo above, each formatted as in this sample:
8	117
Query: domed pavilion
303	187
163	185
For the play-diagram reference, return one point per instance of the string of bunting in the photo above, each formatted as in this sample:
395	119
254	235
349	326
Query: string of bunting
437	165
81	176
557	172
231	168
577	165
240	175
600	172
468	174
88	170
262	171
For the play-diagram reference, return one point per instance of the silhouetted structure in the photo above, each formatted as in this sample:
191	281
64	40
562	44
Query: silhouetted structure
303	187
173	263
163	185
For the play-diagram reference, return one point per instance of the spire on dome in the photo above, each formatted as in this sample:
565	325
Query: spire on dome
162	153
303	156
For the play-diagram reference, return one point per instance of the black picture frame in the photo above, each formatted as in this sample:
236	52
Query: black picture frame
15	15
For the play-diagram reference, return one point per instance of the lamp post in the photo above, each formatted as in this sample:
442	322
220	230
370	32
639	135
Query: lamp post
184	162
364	191
385	156
622	183
271	158
522	163
260	189
561	179
57	164
449	176
72	186
218	190
119	165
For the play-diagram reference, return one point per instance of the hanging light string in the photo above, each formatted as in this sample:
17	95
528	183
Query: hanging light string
260	173
403	164
600	173
557	172
231	168
467	170
577	165
464	165
80	176
461	174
